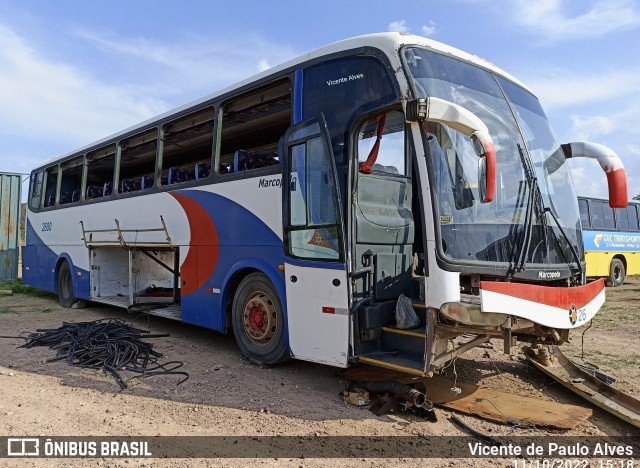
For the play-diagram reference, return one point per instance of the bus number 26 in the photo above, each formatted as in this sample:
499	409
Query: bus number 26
46	226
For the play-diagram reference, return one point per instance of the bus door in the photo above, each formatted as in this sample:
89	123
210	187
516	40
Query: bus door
314	250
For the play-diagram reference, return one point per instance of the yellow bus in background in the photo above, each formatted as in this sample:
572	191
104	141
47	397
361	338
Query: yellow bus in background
611	239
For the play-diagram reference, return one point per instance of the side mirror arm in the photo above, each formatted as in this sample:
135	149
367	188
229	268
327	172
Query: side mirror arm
610	163
438	110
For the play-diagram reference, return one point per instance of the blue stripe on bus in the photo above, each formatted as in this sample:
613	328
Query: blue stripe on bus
40	263
297	96
611	241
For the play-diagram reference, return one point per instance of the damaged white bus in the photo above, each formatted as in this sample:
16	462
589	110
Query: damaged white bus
298	206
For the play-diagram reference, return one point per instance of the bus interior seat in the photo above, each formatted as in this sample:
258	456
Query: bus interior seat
224	169
130	185
75	196
245	160
179	174
65	198
93	191
51	200
175	175
107	189
203	170
147	181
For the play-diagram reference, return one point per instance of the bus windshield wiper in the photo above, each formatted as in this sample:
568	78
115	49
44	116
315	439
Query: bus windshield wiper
534	204
574	252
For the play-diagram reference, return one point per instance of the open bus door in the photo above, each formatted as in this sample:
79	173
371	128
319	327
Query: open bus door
314	249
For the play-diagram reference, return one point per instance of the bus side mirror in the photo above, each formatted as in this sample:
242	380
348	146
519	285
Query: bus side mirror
611	165
466	122
483	144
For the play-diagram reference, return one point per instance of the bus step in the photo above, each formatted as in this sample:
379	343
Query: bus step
407	342
400	362
415	332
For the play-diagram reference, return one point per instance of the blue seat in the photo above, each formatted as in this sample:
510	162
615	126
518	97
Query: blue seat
176	175
107	189
75	196
245	160
65	198
203	170
130	185
51	200
93	191
147	181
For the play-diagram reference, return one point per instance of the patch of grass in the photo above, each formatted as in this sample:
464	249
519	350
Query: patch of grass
18	287
48	310
6	310
617	314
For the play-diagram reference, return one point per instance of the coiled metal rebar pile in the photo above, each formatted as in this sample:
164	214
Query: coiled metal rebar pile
109	344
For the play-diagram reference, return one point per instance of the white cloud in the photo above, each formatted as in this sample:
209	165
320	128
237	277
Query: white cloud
562	88
590	128
193	63
550	20
51	106
46	99
430	29
398	26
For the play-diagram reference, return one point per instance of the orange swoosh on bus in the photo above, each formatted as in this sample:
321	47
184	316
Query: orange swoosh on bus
203	246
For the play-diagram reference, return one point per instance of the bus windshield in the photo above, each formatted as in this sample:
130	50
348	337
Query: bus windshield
494	232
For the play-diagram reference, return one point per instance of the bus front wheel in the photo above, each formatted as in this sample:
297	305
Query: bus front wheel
616	273
258	322
65	286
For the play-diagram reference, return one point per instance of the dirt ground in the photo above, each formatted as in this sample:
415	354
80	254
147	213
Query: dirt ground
227	395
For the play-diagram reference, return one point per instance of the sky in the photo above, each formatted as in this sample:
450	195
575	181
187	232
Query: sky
74	72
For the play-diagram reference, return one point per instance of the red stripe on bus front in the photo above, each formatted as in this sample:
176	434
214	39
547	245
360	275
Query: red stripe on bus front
562	298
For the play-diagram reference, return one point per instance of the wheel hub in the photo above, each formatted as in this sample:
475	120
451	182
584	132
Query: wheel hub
260	318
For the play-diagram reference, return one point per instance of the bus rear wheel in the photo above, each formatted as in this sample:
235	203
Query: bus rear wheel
617	273
258	322
65	286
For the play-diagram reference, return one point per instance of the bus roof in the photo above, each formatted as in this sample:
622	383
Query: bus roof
388	42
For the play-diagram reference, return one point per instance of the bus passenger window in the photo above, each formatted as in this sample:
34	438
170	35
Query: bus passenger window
100	171
51	186
35	192
584	212
138	158
609	222
252	126
71	183
622	220
597	216
188	147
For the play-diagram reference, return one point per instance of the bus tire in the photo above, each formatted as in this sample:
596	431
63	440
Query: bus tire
65	286
616	273
258	322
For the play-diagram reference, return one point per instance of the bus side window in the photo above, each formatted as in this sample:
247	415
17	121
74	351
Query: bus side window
51	186
584	213
138	158
622	220
609	220
632	216
597	216
35	192
251	128
188	147
100	170
71	184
